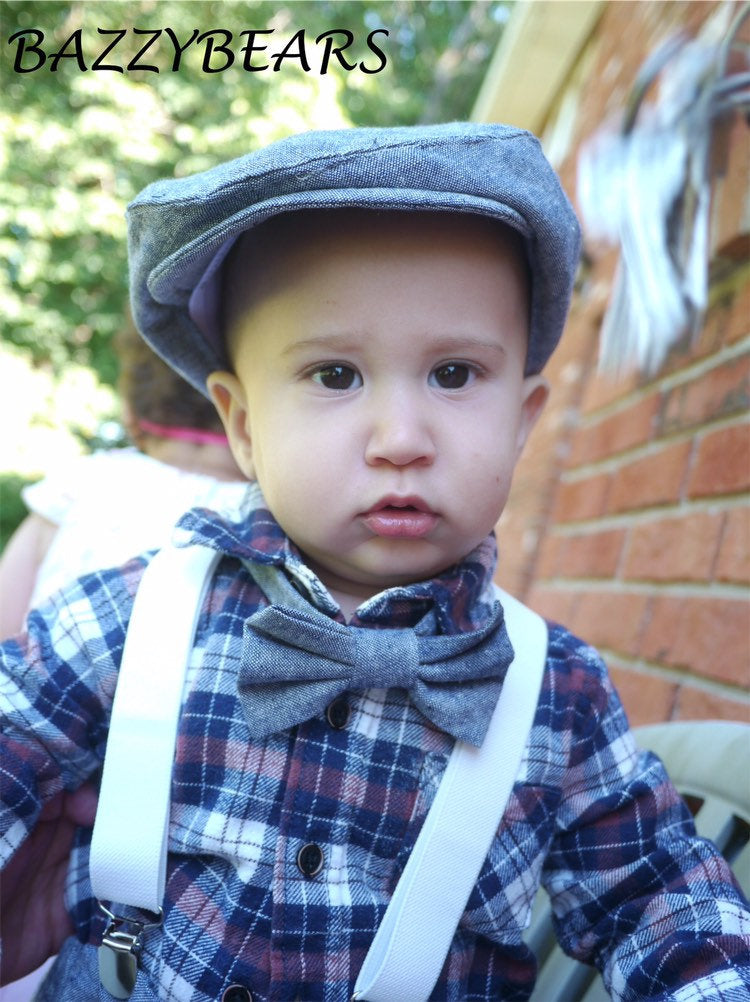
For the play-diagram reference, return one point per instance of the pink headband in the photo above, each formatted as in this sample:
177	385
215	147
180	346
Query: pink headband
196	435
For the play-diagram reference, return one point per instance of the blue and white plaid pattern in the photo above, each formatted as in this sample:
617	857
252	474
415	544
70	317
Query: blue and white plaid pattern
597	822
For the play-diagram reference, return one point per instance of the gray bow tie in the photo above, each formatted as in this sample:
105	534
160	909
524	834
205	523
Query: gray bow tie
294	663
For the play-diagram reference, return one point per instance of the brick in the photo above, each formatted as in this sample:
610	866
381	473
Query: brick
647	698
517	535
604	389
738	321
514	563
576	351
611	620
591	555
726	323
582	499
511	576
674	549
707	636
729	202
554	604
697	704
728	320
626	429
722	463
550	557
651	480
712	335
733	562
721	392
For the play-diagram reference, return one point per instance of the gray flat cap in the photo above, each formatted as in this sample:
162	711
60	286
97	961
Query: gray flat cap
180	230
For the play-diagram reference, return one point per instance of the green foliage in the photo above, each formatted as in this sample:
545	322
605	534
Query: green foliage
77	146
12	509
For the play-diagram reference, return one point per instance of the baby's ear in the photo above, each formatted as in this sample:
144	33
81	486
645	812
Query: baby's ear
230	401
535	394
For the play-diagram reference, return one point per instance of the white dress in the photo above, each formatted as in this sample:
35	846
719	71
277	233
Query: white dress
113	505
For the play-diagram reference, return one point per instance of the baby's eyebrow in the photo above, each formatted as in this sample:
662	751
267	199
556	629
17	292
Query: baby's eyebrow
329	342
457	343
448	344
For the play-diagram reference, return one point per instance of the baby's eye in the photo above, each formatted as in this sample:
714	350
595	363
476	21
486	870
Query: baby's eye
337	377
451	375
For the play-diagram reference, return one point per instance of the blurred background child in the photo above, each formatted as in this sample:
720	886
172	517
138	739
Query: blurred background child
105	507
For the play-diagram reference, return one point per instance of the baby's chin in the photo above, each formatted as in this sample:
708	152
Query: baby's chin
362	583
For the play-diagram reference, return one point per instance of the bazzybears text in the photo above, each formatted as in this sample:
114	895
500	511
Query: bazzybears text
218	54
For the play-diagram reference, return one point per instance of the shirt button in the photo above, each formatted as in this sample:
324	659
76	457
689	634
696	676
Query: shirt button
237	993
310	860
338	713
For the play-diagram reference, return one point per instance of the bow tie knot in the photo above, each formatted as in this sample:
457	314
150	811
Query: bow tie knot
295	663
391	656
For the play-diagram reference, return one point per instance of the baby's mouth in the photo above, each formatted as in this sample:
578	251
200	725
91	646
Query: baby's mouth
401	518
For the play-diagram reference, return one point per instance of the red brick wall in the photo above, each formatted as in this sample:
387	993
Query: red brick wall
629	518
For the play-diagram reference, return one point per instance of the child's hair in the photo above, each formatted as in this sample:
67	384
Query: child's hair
270	239
155	395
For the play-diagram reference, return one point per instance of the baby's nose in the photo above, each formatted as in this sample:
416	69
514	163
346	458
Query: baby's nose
400	432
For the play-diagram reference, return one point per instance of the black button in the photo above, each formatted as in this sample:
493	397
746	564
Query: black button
310	859
237	993
338	713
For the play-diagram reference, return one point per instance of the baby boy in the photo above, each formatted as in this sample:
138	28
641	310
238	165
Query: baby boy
371	311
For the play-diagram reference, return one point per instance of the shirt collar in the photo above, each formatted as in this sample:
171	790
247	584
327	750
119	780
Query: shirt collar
461	597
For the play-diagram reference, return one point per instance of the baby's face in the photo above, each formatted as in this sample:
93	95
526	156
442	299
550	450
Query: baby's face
378	395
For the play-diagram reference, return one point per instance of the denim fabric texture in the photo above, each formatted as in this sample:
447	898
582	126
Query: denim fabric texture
295	662
180	230
633	888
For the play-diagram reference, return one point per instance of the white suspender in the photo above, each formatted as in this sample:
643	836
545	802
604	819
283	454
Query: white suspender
412	942
129	844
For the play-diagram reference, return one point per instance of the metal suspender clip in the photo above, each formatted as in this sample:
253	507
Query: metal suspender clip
121	945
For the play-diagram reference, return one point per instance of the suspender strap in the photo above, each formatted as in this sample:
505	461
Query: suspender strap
129	843
410	946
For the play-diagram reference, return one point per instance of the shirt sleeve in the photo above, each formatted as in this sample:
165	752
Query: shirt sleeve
57	684
634	890
56	494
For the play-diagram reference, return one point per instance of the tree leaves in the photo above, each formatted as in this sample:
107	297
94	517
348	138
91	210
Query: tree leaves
79	144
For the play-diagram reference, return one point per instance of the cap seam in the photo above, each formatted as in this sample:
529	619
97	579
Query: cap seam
342	159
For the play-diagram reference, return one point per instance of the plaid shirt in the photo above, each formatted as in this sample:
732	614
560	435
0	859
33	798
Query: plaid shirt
597	822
